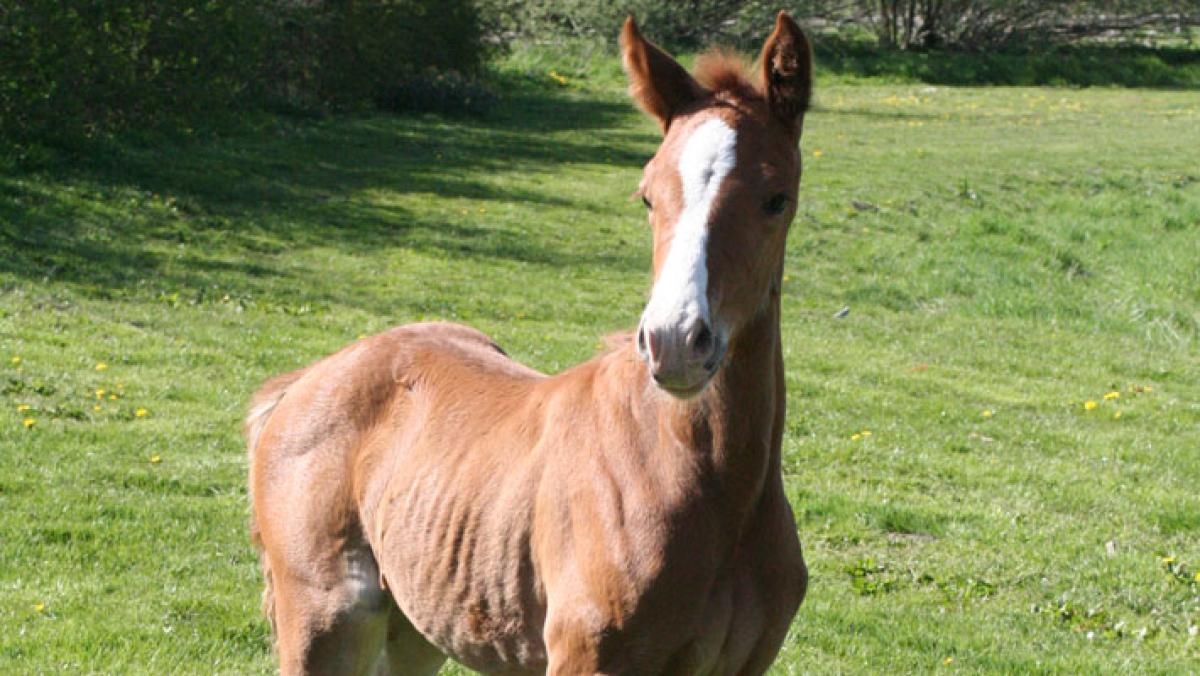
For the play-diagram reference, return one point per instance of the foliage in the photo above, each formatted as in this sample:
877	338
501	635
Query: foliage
73	69
78	69
677	25
904	24
346	52
1067	64
974	24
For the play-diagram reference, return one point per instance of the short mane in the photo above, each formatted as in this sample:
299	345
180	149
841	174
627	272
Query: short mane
724	72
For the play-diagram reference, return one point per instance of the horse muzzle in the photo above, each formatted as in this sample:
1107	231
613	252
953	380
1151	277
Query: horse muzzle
681	358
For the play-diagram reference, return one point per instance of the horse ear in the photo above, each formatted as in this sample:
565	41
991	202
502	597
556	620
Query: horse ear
787	72
657	82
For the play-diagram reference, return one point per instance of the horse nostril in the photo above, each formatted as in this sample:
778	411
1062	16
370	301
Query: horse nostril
641	339
702	339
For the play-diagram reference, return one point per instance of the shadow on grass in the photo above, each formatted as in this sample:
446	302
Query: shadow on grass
290	183
1066	65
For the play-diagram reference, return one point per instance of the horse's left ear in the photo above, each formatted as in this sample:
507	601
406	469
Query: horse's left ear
659	85
787	72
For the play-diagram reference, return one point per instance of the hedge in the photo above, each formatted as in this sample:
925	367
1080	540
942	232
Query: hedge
82	68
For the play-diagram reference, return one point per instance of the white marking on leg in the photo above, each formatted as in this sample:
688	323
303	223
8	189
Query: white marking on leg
680	295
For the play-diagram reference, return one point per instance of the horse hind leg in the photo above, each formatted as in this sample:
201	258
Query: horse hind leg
328	626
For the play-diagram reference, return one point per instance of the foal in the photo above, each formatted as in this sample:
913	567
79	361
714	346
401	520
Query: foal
419	495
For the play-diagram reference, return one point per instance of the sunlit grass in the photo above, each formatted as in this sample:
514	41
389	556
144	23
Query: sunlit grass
1006	256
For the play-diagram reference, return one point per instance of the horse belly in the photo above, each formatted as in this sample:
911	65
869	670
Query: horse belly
457	561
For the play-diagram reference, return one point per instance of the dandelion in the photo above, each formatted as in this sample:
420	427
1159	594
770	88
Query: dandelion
1197	578
948	661
141	413
100	392
559	78
855	437
100	366
15	361
155	459
1112	395
97	407
866	433
1089	405
39	607
1117	415
23	407
817	152
987	413
28	423
112	396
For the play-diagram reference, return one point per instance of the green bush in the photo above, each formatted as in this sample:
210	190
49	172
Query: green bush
348	52
76	69
682	24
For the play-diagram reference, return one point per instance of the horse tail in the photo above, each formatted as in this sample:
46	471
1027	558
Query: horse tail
261	407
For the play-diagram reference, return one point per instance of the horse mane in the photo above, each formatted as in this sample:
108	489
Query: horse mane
726	74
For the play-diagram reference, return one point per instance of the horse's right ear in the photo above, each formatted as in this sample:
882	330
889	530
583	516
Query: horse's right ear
657	82
787	72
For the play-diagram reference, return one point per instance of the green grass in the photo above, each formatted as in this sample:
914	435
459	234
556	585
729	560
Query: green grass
1018	251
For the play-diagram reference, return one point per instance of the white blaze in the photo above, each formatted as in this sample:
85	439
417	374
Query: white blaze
680	295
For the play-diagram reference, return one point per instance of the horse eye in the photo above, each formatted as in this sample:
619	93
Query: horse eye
776	205
646	201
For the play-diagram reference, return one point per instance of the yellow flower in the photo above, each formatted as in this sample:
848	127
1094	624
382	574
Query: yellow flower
112	397
100	366
987	413
948	661
1117	415
15	360
97	407
1198	576
99	392
1167	560
817	152
141	413
558	77
39	607
1089	405
155	459
23	407
1112	395
866	433
28	422
855	437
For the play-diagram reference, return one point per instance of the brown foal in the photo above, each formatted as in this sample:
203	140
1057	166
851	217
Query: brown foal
419	495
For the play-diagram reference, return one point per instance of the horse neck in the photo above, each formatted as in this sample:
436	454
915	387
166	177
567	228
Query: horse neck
734	429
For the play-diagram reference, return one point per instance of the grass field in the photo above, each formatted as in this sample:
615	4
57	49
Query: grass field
994	458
